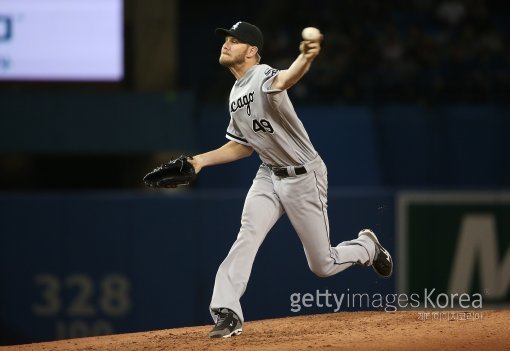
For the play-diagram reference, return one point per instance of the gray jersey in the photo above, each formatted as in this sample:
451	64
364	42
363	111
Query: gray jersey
265	119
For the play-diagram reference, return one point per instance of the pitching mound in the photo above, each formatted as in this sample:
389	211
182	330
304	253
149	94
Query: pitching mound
486	330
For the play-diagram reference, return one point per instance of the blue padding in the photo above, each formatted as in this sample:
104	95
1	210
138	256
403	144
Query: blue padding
167	246
478	144
405	137
95	123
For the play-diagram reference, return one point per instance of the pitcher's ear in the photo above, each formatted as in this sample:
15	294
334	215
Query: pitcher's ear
253	51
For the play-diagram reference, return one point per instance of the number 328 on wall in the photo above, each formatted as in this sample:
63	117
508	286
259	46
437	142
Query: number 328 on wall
113	299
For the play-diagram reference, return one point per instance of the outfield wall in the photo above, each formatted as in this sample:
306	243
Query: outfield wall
81	264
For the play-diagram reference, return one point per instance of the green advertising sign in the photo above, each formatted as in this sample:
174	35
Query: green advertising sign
455	244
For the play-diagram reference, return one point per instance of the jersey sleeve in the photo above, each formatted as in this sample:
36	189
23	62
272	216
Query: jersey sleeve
234	134
269	76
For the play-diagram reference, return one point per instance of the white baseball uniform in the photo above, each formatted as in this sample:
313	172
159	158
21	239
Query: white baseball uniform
292	179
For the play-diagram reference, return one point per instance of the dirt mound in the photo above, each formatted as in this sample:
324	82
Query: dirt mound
412	330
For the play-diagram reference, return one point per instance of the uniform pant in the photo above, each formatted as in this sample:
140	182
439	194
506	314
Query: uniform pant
304	199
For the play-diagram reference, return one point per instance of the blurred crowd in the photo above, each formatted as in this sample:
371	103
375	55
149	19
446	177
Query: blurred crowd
428	51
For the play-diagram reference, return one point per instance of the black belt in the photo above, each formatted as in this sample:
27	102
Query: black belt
282	172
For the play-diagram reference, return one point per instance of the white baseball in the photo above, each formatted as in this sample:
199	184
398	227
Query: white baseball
311	33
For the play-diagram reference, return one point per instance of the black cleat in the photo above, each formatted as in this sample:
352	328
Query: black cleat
382	263
227	325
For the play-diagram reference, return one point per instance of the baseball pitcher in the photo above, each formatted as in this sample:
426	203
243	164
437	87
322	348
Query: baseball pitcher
292	178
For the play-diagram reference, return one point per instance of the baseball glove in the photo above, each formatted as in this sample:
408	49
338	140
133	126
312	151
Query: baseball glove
171	174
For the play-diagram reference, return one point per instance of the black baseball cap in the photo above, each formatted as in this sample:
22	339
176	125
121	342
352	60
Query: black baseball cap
244	31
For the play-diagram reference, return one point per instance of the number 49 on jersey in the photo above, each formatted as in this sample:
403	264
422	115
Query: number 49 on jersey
263	126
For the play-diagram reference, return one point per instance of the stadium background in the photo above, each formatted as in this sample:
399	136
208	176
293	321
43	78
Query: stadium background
408	101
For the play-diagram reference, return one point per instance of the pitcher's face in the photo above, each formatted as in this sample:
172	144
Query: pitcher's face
233	52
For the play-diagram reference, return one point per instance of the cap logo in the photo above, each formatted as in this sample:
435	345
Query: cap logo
234	27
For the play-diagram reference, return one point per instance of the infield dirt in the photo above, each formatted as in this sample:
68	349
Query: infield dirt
411	330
